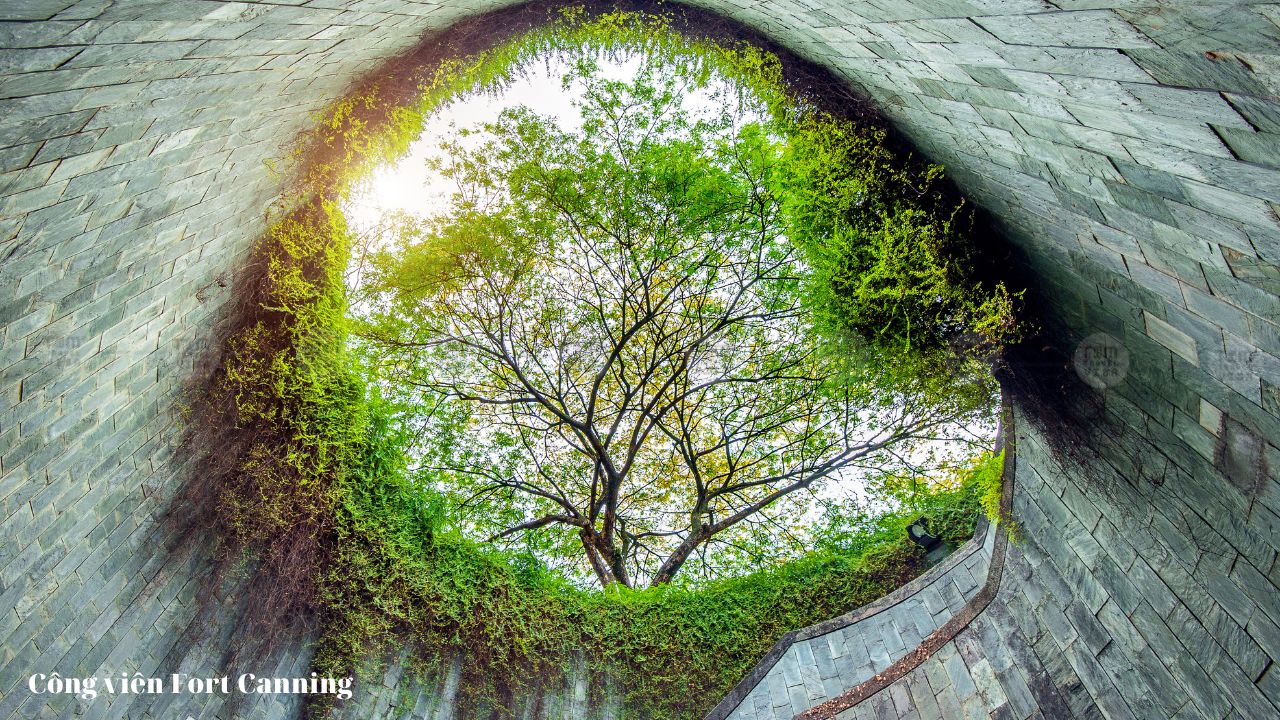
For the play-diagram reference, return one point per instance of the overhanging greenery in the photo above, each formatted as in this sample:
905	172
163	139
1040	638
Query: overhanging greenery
603	341
315	490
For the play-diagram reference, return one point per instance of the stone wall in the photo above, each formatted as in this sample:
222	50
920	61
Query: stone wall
1126	150
401	693
1107	609
822	662
805	668
133	178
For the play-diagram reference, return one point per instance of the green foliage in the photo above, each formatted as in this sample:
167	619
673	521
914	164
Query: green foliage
951	501
294	413
665	394
319	493
613	317
671	649
890	251
576	31
988	476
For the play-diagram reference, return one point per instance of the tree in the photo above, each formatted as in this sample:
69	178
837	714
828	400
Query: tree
607	337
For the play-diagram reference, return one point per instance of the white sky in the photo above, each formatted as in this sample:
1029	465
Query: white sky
410	186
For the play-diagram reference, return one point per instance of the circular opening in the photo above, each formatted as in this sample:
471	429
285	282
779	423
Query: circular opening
748	308
609	297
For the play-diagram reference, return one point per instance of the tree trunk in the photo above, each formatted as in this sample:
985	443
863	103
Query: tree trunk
676	560
604	570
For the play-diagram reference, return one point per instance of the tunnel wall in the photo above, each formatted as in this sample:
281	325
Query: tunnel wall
1127	152
821	662
134	176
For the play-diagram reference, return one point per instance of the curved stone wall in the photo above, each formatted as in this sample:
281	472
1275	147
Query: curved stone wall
1127	150
805	668
134	146
1094	621
821	663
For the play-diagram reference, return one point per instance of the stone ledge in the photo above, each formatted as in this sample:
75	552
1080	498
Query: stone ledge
986	548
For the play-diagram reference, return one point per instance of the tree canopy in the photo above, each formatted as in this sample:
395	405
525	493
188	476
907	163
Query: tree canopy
640	341
349	496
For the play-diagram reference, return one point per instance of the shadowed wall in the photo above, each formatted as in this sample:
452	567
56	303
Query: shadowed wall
1128	151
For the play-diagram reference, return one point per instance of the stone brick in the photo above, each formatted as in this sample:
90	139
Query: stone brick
1172	338
1198	69
1261	113
1261	148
